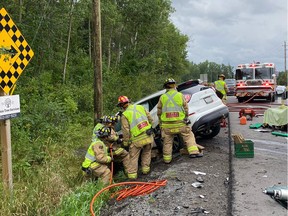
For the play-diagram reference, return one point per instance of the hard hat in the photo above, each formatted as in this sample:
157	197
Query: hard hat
106	119
103	132
168	82
114	119
122	100
221	75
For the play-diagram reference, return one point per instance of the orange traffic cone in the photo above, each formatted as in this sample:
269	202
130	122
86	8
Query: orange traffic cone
243	120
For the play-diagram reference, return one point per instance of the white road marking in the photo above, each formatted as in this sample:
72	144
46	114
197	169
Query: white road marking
267	150
268	142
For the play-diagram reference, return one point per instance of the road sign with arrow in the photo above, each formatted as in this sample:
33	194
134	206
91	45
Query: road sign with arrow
15	53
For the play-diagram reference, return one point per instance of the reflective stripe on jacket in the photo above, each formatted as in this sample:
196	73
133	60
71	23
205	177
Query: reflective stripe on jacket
137	119
220	86
172	106
97	153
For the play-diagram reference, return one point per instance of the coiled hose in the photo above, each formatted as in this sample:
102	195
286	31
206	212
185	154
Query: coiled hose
140	188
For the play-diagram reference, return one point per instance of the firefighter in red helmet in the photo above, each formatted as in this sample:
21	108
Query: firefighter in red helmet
137	133
172	111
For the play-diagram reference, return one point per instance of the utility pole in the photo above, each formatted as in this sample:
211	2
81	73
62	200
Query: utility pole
285	70
97	60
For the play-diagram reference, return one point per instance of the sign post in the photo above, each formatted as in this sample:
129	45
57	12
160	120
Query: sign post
15	54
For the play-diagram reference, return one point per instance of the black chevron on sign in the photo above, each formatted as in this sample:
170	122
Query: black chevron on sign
12	51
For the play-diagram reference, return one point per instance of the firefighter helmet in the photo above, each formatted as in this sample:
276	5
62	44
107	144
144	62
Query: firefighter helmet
122	100
114	119
221	75
106	119
168	82
103	132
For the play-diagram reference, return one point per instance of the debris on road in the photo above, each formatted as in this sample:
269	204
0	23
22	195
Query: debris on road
199	173
197	185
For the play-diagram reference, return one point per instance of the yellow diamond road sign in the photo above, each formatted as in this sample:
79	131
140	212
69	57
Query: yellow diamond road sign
15	53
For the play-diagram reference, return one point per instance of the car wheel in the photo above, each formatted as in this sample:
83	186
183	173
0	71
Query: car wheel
271	97
210	133
240	99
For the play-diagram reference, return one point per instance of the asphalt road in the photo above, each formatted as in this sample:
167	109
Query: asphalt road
252	175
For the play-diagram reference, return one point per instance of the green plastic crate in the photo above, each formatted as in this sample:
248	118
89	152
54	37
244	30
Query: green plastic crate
244	150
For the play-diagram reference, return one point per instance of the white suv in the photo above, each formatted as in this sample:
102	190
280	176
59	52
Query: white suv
206	111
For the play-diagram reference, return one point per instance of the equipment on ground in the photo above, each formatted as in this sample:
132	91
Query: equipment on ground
255	81
248	113
278	193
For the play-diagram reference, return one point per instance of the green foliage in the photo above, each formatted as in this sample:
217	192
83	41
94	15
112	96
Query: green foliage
282	79
78	201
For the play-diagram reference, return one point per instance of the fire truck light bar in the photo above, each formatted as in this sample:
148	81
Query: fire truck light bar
254	65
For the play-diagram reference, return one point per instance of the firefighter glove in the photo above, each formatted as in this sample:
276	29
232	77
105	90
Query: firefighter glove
187	121
119	141
86	171
149	132
125	143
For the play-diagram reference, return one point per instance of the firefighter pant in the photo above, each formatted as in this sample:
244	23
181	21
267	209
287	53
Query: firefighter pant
101	171
120	154
134	153
168	138
224	99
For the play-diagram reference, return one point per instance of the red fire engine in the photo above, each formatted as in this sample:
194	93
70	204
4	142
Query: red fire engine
255	81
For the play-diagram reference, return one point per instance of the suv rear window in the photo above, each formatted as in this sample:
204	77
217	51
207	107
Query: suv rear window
151	103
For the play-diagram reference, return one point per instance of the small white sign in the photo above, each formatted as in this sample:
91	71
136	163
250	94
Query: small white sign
9	106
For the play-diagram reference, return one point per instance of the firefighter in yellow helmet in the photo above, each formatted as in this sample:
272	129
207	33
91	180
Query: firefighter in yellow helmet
221	88
172	111
97	158
114	142
103	121
137	132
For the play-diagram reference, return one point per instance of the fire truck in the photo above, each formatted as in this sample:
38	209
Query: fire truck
255	81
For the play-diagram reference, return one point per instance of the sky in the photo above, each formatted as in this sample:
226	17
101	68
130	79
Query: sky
234	31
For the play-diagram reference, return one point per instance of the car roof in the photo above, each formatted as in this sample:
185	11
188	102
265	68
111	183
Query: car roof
180	87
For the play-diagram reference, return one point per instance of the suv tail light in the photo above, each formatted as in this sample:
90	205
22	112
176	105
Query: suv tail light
187	97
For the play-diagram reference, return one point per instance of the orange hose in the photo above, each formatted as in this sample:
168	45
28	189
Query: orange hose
144	189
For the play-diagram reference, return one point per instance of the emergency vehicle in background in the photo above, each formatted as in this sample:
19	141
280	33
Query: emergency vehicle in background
255	81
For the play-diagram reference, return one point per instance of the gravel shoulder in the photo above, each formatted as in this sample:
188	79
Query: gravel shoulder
179	197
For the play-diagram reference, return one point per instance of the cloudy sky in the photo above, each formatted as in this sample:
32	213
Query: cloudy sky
233	31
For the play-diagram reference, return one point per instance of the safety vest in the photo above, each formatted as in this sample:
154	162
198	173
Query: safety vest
172	106
219	85
90	156
137	119
96	128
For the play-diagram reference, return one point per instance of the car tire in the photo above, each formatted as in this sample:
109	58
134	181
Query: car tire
212	132
271	97
240	99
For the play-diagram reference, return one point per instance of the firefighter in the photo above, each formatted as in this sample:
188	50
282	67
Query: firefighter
113	141
221	88
172	112
97	158
101	122
137	134
119	154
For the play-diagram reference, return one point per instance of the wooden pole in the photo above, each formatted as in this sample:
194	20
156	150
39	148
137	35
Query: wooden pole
6	152
97	50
